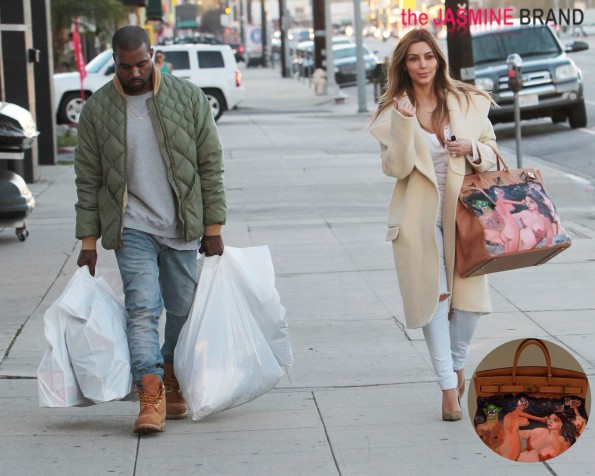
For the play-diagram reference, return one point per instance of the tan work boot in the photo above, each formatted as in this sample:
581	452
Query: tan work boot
176	408
152	405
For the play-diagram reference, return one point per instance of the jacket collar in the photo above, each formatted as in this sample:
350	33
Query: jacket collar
156	82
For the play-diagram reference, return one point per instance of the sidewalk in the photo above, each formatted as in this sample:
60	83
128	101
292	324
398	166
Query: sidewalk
304	178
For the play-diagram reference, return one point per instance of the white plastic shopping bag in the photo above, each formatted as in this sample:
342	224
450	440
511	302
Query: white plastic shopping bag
222	358
96	338
253	269
56	382
87	361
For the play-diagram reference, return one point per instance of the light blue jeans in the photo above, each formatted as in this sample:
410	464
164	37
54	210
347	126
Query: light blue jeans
154	275
448	340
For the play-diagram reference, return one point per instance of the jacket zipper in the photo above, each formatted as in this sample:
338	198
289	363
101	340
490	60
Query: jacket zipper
171	167
125	191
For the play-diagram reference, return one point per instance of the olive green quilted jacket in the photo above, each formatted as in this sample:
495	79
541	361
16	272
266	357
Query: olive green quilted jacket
189	144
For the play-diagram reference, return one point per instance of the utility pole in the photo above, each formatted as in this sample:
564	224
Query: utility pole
319	23
360	72
263	17
283	30
331	85
285	42
460	47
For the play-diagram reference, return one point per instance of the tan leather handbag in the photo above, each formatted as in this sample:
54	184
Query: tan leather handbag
535	381
506	220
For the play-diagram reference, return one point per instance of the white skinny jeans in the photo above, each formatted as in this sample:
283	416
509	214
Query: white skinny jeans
448	340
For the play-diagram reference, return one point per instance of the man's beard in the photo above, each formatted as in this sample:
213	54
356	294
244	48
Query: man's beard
132	87
135	86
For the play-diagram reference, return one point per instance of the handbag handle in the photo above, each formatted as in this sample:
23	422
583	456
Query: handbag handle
541	345
500	159
499	162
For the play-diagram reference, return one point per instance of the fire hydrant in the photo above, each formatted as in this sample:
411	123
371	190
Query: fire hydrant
319	80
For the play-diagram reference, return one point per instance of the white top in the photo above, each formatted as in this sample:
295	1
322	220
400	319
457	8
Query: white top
439	155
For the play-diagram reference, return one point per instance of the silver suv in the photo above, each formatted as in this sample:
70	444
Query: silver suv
552	83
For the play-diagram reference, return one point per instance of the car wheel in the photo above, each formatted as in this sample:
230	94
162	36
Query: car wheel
217	103
577	115
70	108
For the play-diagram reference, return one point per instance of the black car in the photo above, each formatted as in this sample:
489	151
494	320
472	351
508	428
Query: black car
552	83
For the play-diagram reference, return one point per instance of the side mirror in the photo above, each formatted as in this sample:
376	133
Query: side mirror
574	46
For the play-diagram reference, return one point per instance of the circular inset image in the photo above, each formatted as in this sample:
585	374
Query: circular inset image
529	400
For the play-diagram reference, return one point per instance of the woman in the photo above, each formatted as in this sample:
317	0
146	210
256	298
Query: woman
161	64
579	422
537	224
547	443
510	234
420	111
512	421
537	189
492	223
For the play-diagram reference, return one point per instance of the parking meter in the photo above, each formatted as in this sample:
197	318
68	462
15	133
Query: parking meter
515	83
515	77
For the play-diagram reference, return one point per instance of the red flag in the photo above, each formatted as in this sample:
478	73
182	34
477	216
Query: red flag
78	55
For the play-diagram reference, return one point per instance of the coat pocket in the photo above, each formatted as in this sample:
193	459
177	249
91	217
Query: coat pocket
392	233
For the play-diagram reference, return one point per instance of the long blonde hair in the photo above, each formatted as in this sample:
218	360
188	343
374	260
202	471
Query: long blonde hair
399	82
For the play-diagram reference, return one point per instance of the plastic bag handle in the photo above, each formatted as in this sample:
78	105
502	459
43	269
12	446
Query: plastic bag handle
541	345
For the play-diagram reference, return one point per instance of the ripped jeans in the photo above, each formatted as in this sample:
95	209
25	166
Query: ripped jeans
448	340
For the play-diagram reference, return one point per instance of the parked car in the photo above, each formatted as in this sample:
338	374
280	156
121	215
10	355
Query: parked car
303	55
552	83
212	67
345	61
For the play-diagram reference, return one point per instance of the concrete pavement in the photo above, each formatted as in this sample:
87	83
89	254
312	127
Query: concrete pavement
303	176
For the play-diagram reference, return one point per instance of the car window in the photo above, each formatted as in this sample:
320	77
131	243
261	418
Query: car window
98	62
344	53
178	59
210	59
349	52
497	46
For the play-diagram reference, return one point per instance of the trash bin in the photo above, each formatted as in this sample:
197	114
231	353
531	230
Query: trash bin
379	78
17	133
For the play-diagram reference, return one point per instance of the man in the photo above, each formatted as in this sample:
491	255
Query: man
149	179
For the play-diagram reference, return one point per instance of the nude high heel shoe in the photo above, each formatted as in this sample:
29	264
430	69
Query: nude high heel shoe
454	415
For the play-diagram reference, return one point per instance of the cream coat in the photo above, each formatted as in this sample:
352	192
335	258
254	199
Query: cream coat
413	208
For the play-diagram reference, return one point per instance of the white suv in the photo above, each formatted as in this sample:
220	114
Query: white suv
212	67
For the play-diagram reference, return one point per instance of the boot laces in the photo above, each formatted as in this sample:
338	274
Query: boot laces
150	400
